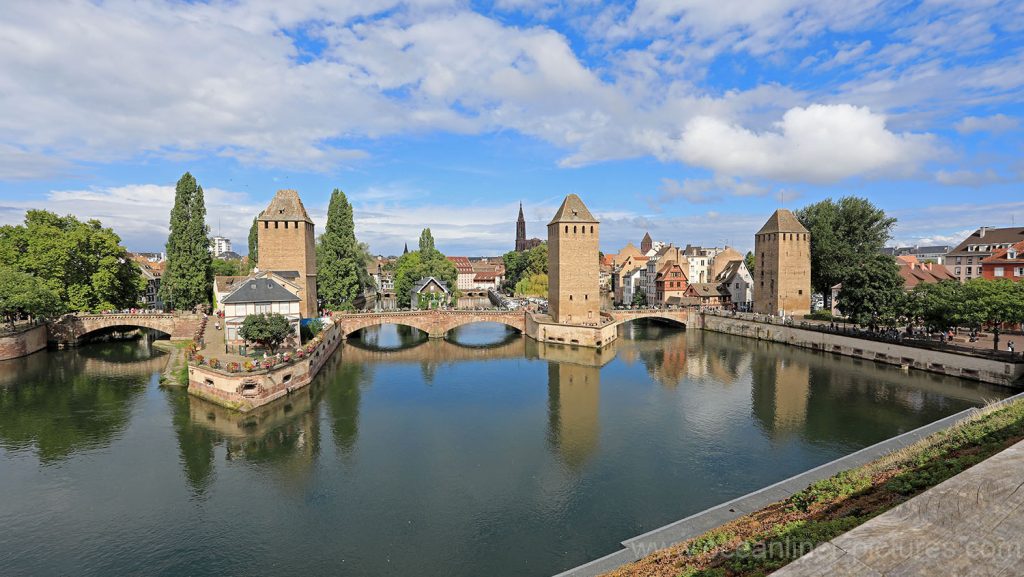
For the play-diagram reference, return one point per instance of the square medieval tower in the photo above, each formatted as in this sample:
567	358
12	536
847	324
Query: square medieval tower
782	273
287	246
573	268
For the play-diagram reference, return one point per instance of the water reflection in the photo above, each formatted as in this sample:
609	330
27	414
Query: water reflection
434	454
63	402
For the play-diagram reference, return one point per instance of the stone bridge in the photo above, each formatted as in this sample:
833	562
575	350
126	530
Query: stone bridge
436	323
673	316
69	329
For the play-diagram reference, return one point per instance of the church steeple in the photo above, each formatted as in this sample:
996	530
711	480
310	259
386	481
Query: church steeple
646	244
520	231
406	251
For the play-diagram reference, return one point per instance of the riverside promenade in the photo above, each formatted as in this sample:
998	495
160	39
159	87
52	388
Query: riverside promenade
969	525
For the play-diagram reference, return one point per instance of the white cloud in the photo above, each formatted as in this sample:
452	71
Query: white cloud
968	177
994	124
697	190
819	143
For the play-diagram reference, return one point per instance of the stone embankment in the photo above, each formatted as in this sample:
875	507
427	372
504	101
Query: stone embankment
969	366
22	342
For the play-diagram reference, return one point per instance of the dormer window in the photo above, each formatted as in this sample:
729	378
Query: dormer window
1012	254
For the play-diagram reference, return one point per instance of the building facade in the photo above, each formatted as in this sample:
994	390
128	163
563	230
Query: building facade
1005	263
287	242
260	294
220	245
465	273
573	294
965	260
783	272
670	283
736	279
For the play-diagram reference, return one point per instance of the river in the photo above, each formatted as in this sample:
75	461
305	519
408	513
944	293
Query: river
486	454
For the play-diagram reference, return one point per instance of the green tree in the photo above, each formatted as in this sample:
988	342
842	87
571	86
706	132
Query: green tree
341	260
225	267
269	330
533	285
639	299
873	292
749	260
188	276
82	263
427	261
938	305
520	265
992	302
22	294
254	242
843	234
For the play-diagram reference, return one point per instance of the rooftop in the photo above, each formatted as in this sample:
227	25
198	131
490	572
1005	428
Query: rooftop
260	290
782	220
573	210
286	205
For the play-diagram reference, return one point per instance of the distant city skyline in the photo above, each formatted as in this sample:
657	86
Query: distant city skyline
691	120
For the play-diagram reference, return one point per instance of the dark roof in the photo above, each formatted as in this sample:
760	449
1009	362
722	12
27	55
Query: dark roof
227	283
992	236
732	268
418	286
285	205
573	210
782	220
287	274
260	290
707	289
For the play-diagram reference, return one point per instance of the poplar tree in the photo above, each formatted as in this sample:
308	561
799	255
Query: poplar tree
254	243
188	276
341	262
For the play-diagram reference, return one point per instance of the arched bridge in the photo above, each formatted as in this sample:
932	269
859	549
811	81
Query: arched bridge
673	316
433	322
70	328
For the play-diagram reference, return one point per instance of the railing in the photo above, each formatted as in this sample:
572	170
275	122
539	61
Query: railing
891	336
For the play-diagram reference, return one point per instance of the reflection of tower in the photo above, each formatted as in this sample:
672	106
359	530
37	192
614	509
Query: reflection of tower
573	296
574	393
781	388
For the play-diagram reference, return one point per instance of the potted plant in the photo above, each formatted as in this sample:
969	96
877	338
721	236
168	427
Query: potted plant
199	359
248	366
214	363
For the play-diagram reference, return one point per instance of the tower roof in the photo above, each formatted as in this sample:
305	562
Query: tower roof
521	219
782	220
573	210
647	238
286	205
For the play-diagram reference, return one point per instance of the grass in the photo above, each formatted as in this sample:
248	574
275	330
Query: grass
757	544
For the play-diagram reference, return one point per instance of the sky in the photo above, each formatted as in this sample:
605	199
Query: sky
691	119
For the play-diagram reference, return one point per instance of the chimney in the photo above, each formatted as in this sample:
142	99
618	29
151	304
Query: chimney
982	231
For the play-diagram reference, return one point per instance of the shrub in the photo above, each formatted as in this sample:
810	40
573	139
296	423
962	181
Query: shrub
248	366
199	359
822	315
268	363
214	363
834	488
232	367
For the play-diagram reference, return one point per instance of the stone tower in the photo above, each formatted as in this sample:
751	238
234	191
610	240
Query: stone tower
782	273
287	246
521	231
573	296
646	244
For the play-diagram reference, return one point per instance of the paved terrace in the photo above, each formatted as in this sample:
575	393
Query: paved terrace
970	525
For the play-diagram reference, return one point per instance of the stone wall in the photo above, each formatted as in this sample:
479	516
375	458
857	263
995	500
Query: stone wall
539	329
965	366
291	245
782	277
23	343
226	389
573	272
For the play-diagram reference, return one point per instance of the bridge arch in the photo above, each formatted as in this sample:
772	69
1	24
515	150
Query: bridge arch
71	328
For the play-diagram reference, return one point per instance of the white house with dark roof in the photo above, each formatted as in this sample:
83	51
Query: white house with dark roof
258	294
428	289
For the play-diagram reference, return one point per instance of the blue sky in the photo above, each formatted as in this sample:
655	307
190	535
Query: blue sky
693	119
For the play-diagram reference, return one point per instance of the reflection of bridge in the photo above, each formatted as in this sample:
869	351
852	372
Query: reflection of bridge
436	323
70	328
433	322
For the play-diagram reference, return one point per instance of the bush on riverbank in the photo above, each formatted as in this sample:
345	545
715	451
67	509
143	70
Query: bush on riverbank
766	540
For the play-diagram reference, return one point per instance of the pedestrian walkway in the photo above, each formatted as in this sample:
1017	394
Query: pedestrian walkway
970	525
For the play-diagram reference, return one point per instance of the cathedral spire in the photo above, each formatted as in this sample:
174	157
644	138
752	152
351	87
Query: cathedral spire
520	231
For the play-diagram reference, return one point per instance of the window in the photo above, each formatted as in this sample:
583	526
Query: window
800	292
567	228
958	270
574	229
958	259
591	229
998	271
1020	271
970	260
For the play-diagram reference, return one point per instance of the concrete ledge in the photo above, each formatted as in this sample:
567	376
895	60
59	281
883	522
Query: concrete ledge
699	523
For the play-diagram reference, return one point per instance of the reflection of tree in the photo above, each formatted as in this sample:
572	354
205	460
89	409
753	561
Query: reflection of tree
51	400
195	444
342	383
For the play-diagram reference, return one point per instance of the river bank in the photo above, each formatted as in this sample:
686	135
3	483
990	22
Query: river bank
771	537
176	371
